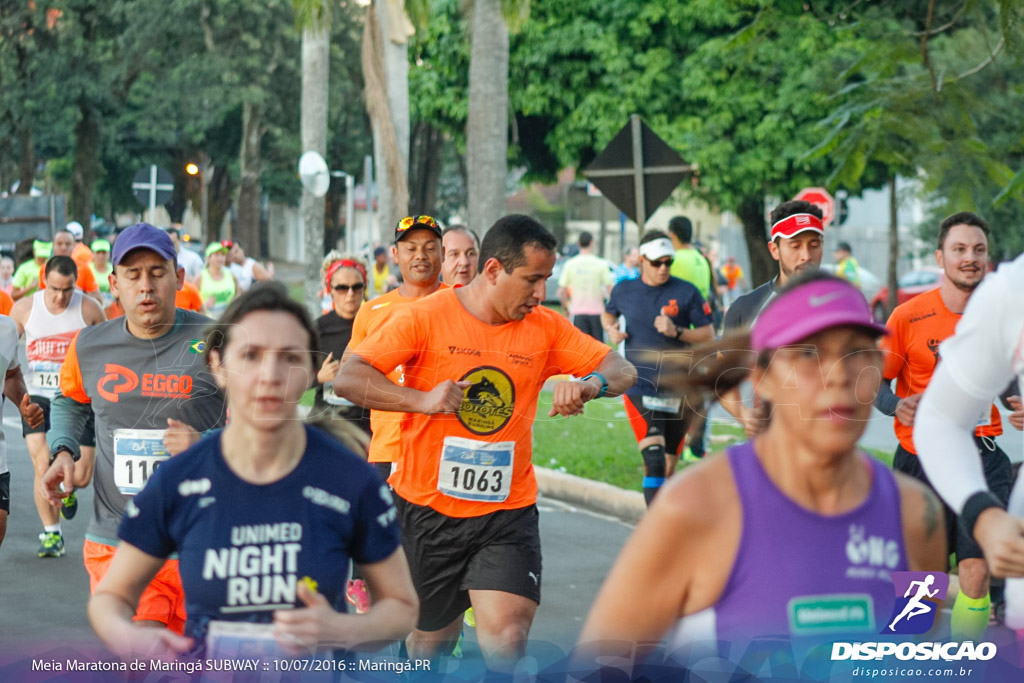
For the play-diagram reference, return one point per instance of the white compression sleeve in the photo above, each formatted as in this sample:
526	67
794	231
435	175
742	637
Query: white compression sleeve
944	438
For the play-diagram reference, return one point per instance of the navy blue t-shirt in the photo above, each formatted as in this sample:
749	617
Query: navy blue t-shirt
243	547
641	304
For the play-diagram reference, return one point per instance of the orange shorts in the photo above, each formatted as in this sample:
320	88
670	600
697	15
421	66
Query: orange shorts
164	598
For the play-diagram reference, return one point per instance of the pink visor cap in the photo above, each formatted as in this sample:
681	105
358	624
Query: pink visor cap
809	309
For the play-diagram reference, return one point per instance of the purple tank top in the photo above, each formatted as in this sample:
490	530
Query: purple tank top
800	573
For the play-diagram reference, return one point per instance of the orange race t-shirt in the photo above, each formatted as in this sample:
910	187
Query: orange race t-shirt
383	424
81	255
86	280
6	303
478	460
911	352
188	297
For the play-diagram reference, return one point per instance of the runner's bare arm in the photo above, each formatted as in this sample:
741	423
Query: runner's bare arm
67	422
261	273
92	312
17	393
924	526
610	323
112	607
698	335
365	385
20	312
563	298
700	511
569	396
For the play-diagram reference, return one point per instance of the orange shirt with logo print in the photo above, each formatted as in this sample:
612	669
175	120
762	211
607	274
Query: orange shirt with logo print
478	460
911	352
384	424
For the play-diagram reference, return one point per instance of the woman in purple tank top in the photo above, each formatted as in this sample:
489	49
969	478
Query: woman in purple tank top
794	533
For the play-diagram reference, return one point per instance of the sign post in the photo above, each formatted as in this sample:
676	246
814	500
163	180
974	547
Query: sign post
153	186
637	171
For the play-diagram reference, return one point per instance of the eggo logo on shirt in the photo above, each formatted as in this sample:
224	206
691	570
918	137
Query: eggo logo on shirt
119	380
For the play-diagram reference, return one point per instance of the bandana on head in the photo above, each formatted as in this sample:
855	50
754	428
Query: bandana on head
344	263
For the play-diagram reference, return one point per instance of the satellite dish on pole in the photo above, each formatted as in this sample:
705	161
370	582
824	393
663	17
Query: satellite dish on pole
313	174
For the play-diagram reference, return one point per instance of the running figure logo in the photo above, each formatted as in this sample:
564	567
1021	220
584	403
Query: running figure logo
918	597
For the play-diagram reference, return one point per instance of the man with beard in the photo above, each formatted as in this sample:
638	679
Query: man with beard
796	243
911	354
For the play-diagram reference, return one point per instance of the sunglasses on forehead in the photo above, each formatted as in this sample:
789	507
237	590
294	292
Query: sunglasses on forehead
410	221
344	289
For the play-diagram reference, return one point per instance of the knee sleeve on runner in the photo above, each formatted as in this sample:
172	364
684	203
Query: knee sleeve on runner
654	465
654	470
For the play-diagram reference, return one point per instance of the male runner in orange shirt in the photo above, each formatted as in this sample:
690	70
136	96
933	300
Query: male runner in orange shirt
911	354
418	252
475	359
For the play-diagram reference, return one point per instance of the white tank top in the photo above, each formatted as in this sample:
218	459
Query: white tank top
47	338
243	273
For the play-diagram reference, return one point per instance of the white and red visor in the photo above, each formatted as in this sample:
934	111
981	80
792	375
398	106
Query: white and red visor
797	223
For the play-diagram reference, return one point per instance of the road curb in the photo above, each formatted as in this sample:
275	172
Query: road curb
628	506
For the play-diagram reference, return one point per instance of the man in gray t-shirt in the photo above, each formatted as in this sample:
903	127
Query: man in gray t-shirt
145	377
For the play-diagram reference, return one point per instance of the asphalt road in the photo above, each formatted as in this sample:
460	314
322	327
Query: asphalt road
42	601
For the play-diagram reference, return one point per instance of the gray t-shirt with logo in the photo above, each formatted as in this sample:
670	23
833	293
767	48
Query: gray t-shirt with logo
133	386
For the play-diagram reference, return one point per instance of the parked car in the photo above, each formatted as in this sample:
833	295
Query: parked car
908	286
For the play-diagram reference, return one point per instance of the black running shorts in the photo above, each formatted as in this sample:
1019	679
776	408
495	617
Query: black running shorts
5	492
449	556
998	474
646	422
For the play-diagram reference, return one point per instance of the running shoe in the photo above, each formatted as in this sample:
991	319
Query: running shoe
457	650
688	455
469	619
51	544
358	596
69	507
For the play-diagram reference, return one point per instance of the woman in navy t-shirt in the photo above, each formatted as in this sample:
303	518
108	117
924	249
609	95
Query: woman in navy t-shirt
264	515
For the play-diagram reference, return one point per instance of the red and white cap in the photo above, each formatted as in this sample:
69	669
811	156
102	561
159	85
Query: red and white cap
796	224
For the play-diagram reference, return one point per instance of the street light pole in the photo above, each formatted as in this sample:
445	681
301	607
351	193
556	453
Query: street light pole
350	209
204	202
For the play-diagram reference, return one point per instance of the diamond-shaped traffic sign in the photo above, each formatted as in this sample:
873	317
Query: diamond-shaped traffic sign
637	171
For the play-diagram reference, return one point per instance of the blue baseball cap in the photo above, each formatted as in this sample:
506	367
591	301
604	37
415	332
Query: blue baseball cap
143	236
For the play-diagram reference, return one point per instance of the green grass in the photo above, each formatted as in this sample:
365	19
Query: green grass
599	444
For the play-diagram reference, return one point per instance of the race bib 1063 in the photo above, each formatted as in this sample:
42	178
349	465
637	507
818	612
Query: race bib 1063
476	470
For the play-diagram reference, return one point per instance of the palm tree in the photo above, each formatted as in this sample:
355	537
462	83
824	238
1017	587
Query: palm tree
313	17
487	126
386	72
